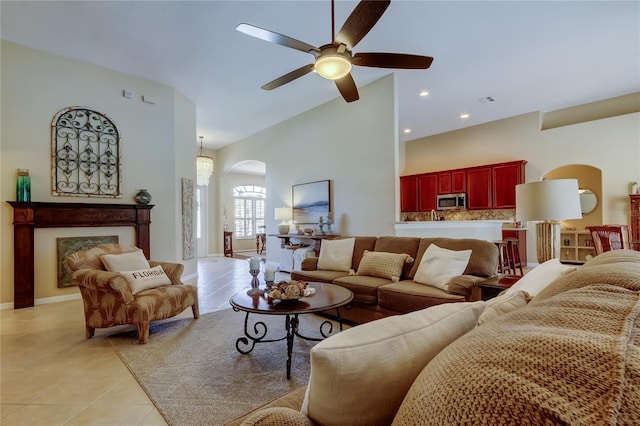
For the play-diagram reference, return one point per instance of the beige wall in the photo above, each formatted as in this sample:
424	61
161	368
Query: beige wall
610	144
158	144
353	145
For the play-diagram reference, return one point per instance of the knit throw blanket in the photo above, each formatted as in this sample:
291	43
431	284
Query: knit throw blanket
572	357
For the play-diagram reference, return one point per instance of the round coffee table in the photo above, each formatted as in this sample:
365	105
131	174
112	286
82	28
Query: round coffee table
327	297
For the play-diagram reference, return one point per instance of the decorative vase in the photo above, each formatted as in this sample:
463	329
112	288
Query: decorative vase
634	188
143	197
23	186
283	229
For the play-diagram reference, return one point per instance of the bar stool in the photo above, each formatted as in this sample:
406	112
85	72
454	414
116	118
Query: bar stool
504	262
513	253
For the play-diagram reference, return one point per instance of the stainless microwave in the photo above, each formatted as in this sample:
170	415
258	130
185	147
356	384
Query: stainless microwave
452	201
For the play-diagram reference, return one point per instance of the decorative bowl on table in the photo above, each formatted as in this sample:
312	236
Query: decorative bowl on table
289	290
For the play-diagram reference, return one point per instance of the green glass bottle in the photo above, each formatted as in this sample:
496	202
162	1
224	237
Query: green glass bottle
23	186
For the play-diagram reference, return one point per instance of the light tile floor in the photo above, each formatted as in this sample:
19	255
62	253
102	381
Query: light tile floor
51	375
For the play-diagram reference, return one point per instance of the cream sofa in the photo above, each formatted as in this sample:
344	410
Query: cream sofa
571	355
376	297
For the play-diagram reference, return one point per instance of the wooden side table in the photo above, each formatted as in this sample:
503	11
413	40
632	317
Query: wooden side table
495	285
228	244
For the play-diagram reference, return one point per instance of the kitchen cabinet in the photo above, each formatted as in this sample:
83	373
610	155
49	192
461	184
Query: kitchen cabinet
427	192
452	182
479	188
458	181
492	186
444	183
409	193
504	178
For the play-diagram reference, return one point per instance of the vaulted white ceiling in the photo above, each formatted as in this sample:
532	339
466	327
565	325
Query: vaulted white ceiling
528	56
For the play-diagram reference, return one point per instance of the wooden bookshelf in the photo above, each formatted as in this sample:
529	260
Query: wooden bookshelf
576	246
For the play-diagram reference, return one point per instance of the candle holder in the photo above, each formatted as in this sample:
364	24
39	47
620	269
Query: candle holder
255	283
321	226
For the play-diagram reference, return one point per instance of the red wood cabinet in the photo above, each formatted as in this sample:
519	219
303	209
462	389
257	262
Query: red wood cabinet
635	221
444	183
409	193
458	181
479	188
427	192
452	182
492	186
504	179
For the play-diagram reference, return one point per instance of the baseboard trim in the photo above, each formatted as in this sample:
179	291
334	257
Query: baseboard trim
45	300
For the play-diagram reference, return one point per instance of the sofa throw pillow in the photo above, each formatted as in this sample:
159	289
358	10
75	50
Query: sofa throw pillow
503	304
144	279
131	261
381	358
336	255
439	265
383	264
537	279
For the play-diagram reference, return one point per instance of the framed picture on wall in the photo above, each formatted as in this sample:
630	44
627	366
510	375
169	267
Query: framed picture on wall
310	201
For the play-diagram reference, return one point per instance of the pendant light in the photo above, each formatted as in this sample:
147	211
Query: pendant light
204	166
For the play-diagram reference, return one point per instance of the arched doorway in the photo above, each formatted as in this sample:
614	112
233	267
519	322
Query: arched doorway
240	209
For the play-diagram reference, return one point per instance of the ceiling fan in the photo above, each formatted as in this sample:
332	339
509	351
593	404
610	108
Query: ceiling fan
334	61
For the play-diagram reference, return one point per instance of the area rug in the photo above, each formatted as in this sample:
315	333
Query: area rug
194	375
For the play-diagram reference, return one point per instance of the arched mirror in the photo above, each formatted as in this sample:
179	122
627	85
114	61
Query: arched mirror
588	201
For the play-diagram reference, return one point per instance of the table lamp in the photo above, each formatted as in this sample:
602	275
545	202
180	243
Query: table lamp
283	214
548	201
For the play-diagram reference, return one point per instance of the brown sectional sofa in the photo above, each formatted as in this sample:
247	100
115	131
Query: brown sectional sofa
376	298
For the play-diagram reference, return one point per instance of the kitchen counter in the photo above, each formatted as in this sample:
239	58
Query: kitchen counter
490	230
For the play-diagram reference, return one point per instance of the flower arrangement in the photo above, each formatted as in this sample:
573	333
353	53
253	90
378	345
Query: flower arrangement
286	290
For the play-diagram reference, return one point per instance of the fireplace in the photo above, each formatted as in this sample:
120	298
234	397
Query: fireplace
30	215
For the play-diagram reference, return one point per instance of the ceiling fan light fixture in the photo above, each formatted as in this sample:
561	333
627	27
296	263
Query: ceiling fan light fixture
332	66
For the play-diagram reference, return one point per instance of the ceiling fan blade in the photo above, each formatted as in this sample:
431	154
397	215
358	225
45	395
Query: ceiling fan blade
347	88
362	19
280	39
288	77
392	60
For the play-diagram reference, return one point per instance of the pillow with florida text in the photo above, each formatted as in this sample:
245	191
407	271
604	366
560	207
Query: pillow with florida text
336	255
439	265
145	279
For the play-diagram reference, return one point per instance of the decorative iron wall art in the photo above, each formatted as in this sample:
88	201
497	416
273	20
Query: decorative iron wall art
86	154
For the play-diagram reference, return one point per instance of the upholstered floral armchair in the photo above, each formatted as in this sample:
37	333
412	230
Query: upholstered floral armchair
119	286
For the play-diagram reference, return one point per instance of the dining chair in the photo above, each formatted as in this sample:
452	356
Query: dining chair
609	237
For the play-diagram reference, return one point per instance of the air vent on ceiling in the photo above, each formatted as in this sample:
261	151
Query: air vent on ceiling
487	100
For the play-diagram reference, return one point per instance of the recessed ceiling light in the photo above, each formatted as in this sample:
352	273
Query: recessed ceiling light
424	93
463	116
407	130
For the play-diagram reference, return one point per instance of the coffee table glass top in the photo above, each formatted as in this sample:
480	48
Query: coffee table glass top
326	297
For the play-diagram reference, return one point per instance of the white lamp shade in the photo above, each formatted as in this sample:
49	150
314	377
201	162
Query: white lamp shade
283	213
204	169
556	199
